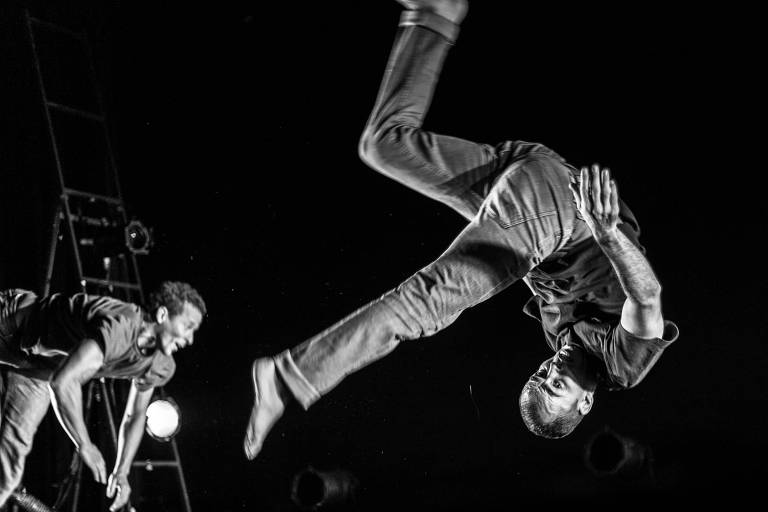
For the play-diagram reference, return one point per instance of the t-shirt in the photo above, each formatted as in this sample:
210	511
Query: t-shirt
53	326
626	359
578	300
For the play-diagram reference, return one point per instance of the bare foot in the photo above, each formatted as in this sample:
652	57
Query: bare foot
268	405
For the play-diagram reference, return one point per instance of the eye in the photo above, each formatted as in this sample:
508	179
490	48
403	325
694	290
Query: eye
557	384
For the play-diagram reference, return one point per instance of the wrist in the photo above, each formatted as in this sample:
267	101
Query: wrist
605	236
84	445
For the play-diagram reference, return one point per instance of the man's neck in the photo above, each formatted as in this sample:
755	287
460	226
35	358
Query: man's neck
147	341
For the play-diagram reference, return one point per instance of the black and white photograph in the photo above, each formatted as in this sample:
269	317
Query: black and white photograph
433	255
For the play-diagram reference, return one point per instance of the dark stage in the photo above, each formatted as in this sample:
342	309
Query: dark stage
235	130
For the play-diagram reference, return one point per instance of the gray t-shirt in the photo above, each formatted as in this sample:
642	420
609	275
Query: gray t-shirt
51	327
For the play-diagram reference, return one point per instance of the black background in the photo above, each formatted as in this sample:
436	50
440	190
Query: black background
235	130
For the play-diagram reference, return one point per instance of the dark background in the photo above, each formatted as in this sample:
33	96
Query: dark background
235	130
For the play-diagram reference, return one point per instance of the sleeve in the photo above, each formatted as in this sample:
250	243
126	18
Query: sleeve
106	332
628	359
159	374
113	326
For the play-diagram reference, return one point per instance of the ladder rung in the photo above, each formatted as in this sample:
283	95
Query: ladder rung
75	111
53	26
91	195
99	222
106	282
156	463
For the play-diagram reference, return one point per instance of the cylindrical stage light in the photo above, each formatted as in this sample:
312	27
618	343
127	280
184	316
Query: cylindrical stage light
138	238
314	490
607	453
163	419
29	502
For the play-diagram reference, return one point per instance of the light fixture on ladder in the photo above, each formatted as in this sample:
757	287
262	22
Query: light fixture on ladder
91	209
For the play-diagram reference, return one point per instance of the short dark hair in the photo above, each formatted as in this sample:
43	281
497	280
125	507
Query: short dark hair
173	295
532	410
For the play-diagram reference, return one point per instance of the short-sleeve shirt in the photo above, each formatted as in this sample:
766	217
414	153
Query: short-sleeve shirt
53	326
578	300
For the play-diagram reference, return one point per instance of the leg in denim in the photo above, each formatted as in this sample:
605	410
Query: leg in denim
454	171
24	404
527	215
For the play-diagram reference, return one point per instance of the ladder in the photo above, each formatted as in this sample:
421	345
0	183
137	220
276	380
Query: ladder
91	209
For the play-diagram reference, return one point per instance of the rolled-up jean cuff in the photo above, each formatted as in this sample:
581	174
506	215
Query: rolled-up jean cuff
304	392
432	21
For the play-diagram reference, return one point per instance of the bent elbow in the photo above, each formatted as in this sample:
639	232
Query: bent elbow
56	385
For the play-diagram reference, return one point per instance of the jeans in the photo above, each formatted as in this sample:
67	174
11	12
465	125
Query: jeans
24	401
515	197
24	395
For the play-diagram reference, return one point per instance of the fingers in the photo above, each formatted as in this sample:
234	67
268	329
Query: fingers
584	190
120	489
99	472
607	190
102	468
597	191
596	186
576	196
99	468
120	500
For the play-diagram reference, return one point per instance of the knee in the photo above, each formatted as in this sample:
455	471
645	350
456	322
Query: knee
371	147
381	147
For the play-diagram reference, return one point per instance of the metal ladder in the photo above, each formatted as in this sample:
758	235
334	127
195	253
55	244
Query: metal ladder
91	208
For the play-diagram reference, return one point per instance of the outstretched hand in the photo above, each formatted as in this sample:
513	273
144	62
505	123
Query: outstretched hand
598	200
118	487
95	461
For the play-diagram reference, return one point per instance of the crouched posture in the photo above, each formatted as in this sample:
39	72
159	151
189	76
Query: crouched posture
51	346
531	217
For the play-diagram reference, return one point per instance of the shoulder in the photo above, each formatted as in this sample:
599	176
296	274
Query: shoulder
100	307
159	373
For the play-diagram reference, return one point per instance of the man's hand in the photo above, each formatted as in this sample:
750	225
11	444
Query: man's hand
598	201
118	487
93	459
452	10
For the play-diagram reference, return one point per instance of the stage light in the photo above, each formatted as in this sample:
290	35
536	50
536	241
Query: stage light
28	502
163	419
607	454
313	489
113	237
138	238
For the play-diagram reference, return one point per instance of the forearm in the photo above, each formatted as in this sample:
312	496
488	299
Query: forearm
129	438
635	274
67	399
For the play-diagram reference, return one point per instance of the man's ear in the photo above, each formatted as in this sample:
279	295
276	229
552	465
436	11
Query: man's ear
161	315
585	404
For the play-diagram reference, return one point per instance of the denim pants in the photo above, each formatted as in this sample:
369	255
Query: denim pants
515	197
24	395
24	403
